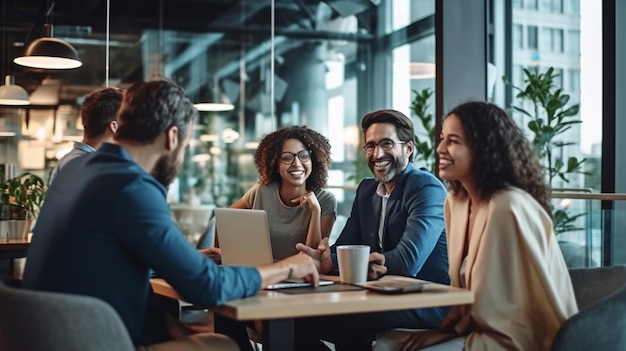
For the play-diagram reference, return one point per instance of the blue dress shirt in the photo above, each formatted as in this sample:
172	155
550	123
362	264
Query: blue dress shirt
104	225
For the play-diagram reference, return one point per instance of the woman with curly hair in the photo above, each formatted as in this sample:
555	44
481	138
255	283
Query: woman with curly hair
293	168
501	242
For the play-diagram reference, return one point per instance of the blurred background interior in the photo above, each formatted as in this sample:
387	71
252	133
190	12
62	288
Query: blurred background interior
323	64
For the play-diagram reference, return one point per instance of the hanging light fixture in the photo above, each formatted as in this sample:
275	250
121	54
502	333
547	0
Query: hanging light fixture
13	95
214	100
422	70
48	52
10	94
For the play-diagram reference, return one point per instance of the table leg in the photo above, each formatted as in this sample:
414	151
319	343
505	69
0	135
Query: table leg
279	334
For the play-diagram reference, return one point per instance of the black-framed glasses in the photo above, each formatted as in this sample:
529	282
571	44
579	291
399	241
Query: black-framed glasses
385	144
288	157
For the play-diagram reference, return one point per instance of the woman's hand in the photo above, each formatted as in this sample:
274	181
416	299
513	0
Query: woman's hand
308	200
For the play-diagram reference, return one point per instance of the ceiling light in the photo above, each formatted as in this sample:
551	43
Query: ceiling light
422	70
49	53
214	106
214	100
13	95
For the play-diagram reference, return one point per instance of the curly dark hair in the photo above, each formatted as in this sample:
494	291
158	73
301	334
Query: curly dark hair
502	154
269	150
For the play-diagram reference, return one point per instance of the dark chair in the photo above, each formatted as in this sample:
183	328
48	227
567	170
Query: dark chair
601	320
593	284
10	281
36	320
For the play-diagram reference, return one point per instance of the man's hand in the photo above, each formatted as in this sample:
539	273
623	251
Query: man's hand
376	265
212	253
321	255
302	266
296	266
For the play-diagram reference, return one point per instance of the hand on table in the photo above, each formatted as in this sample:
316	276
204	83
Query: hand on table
320	255
302	266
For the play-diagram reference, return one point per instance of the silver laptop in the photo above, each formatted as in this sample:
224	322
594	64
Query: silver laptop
244	240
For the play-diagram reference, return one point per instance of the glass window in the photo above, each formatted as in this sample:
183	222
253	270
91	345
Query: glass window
557	40
532	37
558	78
405	12
517	4
553	6
573	41
518	75
572	46
518	40
551	39
530	4
574	81
573	7
414	70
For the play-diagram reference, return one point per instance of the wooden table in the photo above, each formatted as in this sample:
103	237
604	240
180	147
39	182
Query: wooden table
278	310
11	249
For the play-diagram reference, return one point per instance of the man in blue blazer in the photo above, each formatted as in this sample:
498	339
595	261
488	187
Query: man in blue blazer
399	214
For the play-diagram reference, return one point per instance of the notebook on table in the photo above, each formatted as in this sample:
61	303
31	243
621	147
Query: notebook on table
244	239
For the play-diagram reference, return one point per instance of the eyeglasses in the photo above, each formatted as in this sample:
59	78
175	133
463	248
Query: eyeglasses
288	157
385	144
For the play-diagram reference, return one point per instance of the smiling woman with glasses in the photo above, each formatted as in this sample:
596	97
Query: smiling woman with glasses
293	167
288	157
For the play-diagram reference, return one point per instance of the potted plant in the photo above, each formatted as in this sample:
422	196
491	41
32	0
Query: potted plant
424	140
551	116
21	198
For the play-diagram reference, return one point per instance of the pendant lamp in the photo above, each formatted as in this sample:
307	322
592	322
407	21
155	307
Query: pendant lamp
49	53
214	100
13	95
422	70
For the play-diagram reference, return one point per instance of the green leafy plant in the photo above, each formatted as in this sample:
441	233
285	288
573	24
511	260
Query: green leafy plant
22	195
550	117
424	140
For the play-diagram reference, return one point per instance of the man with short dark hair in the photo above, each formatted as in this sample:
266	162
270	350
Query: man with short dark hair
399	214
106	223
98	116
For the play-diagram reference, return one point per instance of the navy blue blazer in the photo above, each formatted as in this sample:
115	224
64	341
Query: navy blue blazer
414	238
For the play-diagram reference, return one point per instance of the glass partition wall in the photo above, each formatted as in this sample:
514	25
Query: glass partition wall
323	64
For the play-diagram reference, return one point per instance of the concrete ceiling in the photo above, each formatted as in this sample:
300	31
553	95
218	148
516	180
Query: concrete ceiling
180	31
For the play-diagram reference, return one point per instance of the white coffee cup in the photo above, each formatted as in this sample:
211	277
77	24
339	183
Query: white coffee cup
353	263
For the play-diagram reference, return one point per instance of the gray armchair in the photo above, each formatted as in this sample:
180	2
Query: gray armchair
36	320
601	320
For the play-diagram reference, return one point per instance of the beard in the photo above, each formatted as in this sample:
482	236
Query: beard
165	169
396	167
